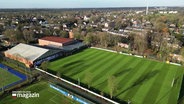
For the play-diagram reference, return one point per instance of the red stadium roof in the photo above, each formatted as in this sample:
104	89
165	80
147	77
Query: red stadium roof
57	39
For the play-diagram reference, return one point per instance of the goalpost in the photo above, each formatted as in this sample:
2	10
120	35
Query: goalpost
172	84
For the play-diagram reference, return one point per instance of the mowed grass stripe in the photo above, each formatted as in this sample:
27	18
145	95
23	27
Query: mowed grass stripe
117	78
56	64
122	70
127	66
144	89
84	53
85	69
73	61
103	81
116	68
126	79
166	88
94	64
98	64
145	78
176	87
106	71
156	88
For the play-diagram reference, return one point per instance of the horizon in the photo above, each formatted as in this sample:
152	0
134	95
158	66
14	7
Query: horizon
98	7
88	4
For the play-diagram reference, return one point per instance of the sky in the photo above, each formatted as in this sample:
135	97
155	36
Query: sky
86	3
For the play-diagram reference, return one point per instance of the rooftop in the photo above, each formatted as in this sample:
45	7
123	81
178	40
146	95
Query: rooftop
57	39
27	51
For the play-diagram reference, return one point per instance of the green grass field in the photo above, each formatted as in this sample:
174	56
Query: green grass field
47	95
140	80
7	78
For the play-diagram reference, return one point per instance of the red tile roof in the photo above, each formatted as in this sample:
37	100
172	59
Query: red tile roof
57	39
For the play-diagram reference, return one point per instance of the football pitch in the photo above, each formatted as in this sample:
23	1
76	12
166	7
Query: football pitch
7	78
47	95
141	81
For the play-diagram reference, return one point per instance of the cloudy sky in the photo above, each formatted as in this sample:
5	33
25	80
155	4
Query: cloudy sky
85	3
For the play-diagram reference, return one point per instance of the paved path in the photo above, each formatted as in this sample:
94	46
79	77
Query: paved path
83	92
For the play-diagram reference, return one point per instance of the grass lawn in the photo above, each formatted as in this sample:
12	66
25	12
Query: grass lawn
7	78
47	95
140	80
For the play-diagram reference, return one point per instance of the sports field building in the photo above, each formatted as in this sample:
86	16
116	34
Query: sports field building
65	44
32	55
57	41
48	48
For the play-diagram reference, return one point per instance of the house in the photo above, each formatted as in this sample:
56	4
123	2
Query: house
106	25
86	18
71	35
173	12
123	45
163	12
177	57
172	26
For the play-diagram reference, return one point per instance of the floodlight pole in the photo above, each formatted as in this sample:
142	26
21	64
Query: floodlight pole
78	81
147	7
129	102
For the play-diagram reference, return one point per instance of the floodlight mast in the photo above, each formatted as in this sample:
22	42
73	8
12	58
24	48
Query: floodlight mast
147	7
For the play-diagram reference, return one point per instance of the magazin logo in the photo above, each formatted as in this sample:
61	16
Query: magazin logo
24	94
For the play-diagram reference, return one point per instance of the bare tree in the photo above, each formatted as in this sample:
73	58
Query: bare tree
28	35
112	85
58	74
182	53
45	65
140	43
88	78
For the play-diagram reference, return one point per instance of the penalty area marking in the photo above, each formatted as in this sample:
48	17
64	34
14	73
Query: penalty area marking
52	99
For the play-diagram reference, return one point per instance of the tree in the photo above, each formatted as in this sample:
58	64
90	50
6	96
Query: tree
13	35
58	74
140	43
28	35
89	38
112	85
1	58
1	29
88	78
182	100
10	34
182	51
64	34
45	65
182	54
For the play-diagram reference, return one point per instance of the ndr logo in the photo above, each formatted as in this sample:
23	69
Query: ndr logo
24	94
